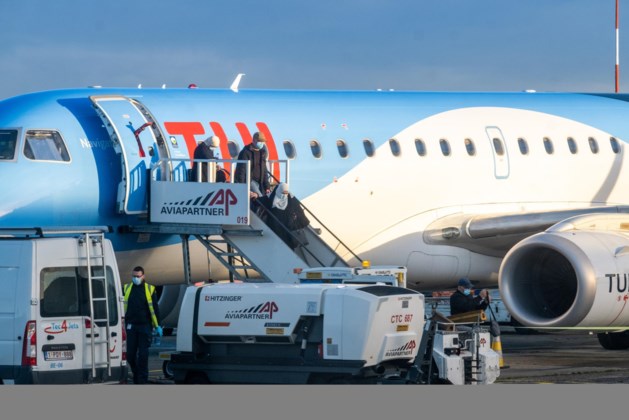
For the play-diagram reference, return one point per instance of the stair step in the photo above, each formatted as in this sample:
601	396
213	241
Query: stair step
243	232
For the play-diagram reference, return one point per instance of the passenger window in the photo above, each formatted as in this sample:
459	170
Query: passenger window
289	149
420	146
469	147
572	145
315	148
233	148
343	152
548	145
524	146
64	292
370	150
395	147
498	146
593	145
615	145
445	147
8	141
45	145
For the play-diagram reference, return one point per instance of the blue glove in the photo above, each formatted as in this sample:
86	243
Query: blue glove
159	331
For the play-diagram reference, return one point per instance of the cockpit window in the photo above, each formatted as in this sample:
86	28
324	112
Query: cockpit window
8	140
45	145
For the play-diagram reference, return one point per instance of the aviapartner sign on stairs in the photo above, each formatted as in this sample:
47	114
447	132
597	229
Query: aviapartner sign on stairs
199	203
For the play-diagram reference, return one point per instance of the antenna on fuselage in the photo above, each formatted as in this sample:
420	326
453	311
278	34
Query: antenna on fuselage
234	85
617	87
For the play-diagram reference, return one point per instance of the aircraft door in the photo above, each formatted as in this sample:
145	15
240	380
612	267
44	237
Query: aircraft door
139	141
499	151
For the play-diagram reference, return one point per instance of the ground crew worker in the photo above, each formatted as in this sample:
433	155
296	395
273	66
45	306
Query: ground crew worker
141	317
463	301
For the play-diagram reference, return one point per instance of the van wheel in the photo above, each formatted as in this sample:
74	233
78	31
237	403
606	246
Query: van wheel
196	378
167	370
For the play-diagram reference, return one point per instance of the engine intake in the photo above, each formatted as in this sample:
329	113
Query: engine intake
568	278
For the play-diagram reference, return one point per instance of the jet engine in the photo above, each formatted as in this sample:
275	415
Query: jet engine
568	278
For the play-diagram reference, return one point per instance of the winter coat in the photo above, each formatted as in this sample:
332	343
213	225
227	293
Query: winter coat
259	173
460	303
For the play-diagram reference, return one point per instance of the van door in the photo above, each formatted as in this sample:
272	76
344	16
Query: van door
139	141
106	351
65	331
60	329
8	336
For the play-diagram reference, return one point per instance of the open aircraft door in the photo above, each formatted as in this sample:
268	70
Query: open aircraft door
139	141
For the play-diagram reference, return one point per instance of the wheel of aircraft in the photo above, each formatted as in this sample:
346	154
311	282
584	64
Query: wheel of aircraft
614	341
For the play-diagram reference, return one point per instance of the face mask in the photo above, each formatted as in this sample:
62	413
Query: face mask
137	281
467	292
259	145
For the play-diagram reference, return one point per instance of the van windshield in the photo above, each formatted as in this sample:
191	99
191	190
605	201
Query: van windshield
64	292
8	141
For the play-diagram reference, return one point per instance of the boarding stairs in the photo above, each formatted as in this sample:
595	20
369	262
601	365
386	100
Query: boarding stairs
251	251
257	253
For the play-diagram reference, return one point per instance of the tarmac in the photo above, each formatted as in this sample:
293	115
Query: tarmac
563	357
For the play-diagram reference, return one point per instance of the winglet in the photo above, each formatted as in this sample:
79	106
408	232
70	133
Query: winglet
234	85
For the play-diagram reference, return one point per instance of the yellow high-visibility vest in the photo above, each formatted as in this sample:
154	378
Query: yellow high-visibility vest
148	289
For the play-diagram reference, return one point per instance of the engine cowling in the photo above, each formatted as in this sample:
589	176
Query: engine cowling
568	279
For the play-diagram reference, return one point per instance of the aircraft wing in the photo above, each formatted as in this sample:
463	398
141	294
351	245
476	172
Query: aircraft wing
495	234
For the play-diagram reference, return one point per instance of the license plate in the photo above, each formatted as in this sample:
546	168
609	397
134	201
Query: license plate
59	355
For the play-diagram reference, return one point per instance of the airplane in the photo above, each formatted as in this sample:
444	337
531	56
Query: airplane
527	191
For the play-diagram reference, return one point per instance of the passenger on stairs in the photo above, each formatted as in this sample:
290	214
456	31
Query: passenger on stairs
204	151
287	219
256	153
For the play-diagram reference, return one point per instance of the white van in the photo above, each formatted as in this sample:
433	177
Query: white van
54	327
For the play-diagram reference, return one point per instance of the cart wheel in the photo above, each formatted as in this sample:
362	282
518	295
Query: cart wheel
168	372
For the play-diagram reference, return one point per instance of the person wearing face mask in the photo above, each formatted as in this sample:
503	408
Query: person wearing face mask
141	317
256	153
463	301
205	150
287	218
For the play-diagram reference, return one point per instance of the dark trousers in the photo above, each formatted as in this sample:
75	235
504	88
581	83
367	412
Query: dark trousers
138	342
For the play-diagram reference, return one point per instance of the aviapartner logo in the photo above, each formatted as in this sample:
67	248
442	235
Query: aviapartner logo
405	350
215	203
262	311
